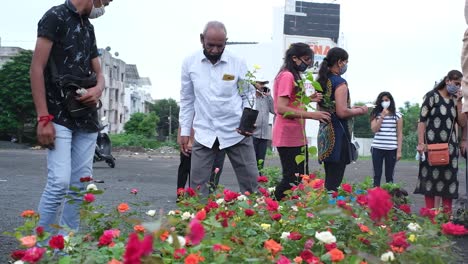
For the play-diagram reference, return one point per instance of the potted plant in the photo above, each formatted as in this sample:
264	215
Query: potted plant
246	89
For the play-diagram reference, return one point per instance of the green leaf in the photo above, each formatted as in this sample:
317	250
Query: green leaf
300	158
312	151
65	260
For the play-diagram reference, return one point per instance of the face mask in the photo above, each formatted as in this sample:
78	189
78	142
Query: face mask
302	67
385	104
452	89
212	57
344	69
97	11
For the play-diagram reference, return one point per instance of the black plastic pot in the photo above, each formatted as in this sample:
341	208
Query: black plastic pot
248	119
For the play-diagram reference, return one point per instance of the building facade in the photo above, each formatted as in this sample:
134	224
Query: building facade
113	96
137	92
6	53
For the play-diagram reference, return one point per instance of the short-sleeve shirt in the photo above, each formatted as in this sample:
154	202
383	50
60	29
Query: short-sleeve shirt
386	137
287	132
74	46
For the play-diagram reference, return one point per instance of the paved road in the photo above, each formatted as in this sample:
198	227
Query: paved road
22	179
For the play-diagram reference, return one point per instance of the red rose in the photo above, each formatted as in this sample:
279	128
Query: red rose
405	208
201	215
40	231
17	254
179	253
264	192
399	240
295	236
57	242
361	199
262	179
309	257
379	202
230	196
330	246
283	260
197	232
347	187
271	204
33	255
135	248
276	217
105	239
86	179
454	229
190	192
89	197
249	212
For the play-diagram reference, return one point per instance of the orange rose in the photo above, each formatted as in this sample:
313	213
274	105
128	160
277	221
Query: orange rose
298	260
139	228
336	255
164	236
194	259
28	213
364	228
273	246
28	241
123	207
114	261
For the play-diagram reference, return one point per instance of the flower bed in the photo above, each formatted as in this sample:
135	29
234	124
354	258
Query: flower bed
354	225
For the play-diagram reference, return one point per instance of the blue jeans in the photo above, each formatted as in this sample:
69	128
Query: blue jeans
71	160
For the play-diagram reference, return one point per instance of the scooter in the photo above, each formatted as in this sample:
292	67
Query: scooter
103	149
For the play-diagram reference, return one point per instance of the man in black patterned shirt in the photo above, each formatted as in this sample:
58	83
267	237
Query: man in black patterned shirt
66	45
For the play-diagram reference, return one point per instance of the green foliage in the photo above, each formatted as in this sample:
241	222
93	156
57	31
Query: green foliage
410	129
132	140
16	103
142	124
168	112
362	126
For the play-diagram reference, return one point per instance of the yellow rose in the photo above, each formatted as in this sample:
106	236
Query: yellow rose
265	226
412	238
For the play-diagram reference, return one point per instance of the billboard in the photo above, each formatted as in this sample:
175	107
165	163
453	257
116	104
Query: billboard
320	47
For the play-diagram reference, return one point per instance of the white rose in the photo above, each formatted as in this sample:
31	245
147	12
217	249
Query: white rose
285	235
242	197
387	256
180	238
325	237
172	212
91	187
18	262
220	201
271	189
187	215
414	227
151	212
294	208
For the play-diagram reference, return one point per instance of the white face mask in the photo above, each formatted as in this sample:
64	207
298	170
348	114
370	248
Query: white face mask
97	11
385	104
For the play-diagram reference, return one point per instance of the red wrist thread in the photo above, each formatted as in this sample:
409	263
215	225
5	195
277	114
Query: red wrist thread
46	119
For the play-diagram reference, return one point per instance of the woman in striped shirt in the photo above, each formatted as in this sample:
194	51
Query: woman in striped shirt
387	124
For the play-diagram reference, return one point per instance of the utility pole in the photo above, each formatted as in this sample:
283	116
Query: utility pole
170	123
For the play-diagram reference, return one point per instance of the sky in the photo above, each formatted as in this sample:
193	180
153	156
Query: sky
401	46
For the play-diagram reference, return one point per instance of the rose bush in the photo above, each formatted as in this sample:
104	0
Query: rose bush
354	225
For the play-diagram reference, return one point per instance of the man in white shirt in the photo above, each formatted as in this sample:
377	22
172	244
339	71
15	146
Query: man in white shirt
211	102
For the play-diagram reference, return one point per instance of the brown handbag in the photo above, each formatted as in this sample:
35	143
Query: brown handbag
438	154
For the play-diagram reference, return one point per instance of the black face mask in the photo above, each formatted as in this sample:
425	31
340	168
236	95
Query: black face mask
301	67
212	57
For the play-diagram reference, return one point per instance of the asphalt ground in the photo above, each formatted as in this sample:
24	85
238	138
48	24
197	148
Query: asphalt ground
23	177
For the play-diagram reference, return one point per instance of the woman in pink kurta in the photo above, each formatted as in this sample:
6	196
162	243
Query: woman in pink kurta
289	127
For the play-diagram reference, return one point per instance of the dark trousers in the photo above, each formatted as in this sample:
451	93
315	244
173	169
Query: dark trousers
378	157
291	170
184	171
260	146
334	171
185	165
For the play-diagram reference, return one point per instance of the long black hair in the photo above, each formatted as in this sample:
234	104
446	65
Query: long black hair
296	50
451	75
333	56
378	105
